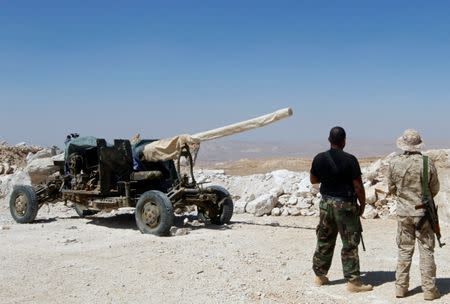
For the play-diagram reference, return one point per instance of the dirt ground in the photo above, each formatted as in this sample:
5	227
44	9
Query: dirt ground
65	259
255	166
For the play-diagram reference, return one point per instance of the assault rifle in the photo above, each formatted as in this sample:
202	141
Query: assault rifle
431	216
360	233
428	204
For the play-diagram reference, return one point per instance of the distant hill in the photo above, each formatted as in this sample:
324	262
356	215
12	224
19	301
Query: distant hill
230	150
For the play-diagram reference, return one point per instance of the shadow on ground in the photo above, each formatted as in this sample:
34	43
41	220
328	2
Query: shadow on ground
274	224
443	285
374	278
127	221
43	220
193	223
120	221
378	278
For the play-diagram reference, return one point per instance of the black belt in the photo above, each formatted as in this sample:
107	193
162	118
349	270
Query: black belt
338	198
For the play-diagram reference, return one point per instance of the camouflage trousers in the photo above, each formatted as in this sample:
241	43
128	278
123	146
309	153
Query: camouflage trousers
337	216
406	236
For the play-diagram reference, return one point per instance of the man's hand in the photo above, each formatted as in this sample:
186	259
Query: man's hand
360	194
361	209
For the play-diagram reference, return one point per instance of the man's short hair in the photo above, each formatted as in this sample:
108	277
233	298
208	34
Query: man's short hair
337	135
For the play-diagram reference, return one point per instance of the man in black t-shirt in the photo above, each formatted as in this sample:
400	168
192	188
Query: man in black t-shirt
339	174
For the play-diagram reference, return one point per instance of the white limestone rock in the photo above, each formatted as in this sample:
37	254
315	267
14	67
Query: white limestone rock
294	211
371	195
284	199
441	158
268	176
305	185
276	211
7	182
6	168
306	212
392	206
382	187
370	212
261	205
278	191
304	194
292	200
250	198
304	203
44	153
40	169
316	202
239	206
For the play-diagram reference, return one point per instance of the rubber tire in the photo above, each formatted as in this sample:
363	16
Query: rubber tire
166	213
83	212
32	204
225	212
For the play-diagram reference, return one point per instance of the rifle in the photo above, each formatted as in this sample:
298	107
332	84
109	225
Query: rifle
428	204
360	233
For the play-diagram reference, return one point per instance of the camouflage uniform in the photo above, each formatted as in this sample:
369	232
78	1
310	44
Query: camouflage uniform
337	216
405	175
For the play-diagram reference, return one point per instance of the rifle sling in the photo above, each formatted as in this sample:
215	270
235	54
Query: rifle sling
332	162
425	191
425	188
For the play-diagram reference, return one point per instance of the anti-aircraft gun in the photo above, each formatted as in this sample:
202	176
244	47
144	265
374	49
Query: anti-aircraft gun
142	174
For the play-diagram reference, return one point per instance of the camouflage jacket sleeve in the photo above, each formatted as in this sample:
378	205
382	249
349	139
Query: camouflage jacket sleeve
391	183
434	180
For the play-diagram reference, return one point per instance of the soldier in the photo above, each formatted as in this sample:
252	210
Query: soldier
341	184
405	177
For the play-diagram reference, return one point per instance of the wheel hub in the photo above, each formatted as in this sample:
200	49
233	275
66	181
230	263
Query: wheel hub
151	215
20	205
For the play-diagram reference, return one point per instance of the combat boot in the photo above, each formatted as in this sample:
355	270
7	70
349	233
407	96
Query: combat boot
400	292
358	286
431	295
321	280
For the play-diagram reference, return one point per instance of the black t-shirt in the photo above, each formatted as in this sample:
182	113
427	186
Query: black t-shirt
337	181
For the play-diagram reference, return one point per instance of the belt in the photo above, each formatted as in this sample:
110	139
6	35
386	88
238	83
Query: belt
338	198
337	202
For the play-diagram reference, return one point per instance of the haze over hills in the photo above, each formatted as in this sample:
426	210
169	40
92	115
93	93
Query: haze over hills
232	150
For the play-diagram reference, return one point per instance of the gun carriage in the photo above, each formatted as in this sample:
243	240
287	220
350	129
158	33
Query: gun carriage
144	175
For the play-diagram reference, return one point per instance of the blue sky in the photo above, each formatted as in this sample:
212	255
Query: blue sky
114	68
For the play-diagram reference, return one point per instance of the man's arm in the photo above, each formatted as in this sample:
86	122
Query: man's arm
313	172
313	179
392	188
360	194
434	181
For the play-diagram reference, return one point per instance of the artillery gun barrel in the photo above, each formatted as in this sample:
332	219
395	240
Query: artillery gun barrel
169	148
242	126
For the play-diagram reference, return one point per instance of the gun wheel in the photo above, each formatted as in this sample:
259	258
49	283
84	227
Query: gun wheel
221	211
154	213
23	204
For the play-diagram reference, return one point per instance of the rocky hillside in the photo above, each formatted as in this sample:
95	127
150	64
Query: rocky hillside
284	192
24	164
14	157
277	193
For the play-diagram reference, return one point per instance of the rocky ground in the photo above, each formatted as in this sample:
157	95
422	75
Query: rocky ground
104	259
263	256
